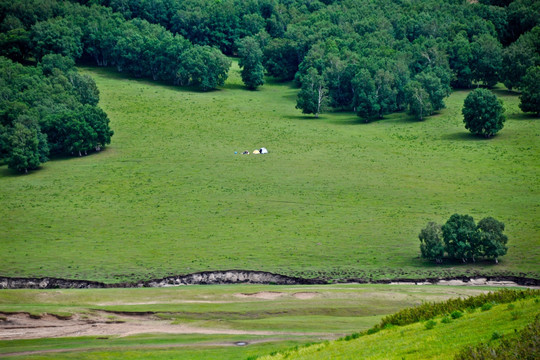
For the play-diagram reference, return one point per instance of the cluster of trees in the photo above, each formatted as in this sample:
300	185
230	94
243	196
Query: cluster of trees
33	29
48	109
373	57
462	239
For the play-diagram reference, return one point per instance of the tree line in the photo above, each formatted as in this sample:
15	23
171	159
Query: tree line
372	57
32	29
48	109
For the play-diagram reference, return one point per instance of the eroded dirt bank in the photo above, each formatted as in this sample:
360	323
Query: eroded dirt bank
101	323
252	277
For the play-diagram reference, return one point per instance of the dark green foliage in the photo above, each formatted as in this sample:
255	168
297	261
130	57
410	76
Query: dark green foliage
454	307
530	91
456	314
431	242
515	314
492	239
426	93
487	306
15	44
374	94
56	36
418	100
27	146
281	58
460	59
50	106
483	113
519	57
460	237
525	345
312	98
251	62
204	67
486	59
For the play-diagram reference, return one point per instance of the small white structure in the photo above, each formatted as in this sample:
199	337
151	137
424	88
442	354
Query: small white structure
263	151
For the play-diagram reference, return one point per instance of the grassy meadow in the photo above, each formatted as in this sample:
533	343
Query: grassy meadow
330	312
416	341
334	198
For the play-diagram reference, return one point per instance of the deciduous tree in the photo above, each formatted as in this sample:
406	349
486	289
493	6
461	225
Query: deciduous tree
431	242
483	113
251	62
312	98
492	239
530	91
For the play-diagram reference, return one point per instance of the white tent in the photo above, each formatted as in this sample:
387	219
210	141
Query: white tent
263	151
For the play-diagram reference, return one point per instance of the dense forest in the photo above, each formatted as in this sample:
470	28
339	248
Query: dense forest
373	57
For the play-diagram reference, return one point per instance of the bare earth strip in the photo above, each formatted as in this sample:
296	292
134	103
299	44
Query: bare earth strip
22	326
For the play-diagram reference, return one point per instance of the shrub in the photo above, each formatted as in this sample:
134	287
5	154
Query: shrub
456	314
487	306
515	314
430	324
446	320
496	335
453	306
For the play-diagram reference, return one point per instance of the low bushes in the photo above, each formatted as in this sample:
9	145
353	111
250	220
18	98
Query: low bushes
454	307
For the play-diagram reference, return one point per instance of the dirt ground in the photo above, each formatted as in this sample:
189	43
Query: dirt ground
24	326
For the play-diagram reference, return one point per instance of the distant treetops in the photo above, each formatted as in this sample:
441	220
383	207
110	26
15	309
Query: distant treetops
460	238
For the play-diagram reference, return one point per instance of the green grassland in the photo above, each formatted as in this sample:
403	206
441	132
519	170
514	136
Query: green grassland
415	341
335	197
333	311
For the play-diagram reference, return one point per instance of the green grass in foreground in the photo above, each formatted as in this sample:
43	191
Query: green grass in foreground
415	341
335	197
172	348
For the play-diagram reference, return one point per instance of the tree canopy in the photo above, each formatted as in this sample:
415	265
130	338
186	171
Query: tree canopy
460	238
483	113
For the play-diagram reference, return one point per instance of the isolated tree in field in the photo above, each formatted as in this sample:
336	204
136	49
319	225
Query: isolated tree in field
492	239
431	243
530	91
483	113
460	237
312	98
251	62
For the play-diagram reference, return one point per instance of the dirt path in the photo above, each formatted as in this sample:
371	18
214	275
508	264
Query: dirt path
23	326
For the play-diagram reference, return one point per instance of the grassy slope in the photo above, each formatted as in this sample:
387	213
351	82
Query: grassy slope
416	342
336	310
334	196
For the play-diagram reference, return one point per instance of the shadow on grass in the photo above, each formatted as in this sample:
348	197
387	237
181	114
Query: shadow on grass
523	116
465	136
236	87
